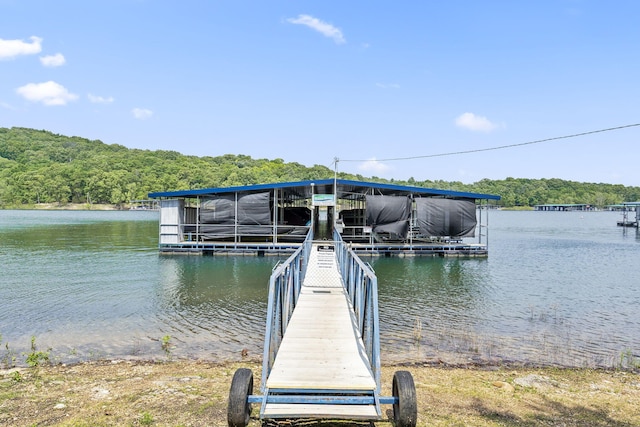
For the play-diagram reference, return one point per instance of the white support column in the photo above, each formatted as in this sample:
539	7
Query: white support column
235	221
313	208
335	193
411	224
480	223
171	220
198	202
275	216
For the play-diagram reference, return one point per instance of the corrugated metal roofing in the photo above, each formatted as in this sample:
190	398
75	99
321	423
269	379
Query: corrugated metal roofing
325	186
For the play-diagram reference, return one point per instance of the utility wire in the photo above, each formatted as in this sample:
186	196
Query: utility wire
501	147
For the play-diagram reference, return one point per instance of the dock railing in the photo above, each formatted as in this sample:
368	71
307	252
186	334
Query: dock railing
284	290
310	396
361	284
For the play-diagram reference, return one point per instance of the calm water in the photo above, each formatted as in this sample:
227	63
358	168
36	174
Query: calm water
557	288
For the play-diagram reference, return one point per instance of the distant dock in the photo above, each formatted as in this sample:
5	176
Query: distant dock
629	208
564	207
144	205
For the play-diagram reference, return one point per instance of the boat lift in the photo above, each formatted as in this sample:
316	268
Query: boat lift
626	221
322	349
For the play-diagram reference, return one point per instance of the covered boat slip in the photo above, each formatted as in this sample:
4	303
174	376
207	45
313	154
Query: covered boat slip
376	219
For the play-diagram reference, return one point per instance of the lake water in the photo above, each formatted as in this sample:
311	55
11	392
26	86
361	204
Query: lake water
558	288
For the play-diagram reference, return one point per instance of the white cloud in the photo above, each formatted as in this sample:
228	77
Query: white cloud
476	123
100	99
373	166
53	60
323	28
9	49
48	93
141	113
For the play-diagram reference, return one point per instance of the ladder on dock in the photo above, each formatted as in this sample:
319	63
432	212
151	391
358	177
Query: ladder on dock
322	353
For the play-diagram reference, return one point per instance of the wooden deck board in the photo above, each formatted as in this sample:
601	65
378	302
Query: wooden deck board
322	348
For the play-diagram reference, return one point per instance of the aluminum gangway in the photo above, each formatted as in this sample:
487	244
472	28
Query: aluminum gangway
322	349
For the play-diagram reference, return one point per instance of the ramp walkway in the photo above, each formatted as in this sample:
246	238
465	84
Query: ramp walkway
322	348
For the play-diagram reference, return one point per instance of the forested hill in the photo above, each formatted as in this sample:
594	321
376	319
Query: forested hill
42	167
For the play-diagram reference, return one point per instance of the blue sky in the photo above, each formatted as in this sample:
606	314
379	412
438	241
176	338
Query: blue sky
363	81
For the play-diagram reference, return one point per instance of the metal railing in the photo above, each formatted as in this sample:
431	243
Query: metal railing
284	290
361	284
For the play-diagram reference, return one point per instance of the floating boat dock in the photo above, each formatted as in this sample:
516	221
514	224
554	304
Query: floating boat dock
322	349
376	219
568	207
627	208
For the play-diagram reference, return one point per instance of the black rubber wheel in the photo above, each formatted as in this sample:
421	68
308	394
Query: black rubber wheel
239	408
405	412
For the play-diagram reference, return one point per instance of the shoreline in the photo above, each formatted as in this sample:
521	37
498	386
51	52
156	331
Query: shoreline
195	392
68	207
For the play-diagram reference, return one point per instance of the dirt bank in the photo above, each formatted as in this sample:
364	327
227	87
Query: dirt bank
192	393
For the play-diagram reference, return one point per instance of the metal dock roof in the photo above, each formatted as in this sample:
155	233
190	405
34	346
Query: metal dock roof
325	186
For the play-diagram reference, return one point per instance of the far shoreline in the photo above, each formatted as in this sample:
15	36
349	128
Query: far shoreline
71	207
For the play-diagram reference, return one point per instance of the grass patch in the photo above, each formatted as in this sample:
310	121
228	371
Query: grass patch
190	393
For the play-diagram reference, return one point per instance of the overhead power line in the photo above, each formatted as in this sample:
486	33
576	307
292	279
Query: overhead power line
501	147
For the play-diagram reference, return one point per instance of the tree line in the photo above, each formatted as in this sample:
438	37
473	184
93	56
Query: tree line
38	166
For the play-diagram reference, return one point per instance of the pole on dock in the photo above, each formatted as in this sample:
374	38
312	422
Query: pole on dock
335	190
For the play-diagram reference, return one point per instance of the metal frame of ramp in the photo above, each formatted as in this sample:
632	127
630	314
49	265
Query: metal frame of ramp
322	351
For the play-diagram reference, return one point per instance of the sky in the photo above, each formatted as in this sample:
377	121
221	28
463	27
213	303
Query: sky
364	82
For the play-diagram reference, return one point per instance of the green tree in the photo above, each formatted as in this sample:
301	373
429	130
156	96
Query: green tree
39	166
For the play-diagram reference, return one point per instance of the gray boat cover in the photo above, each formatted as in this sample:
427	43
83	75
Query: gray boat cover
253	209
220	210
217	215
389	214
446	217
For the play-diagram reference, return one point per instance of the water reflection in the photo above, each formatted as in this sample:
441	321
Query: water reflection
557	288
216	303
423	300
633	232
82	237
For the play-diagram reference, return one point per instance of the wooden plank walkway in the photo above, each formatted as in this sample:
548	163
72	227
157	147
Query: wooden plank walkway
322	348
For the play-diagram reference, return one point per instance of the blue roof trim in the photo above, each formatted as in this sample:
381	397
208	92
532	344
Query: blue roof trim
418	190
258	187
